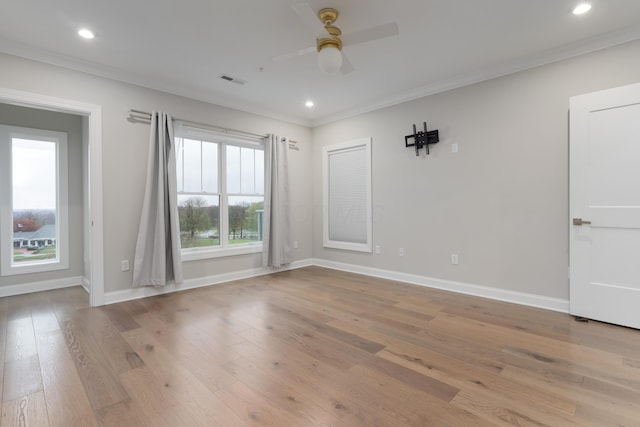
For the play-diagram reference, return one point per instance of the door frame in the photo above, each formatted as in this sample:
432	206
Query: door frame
93	113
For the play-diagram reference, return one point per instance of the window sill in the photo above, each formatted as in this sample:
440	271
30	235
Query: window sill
200	254
33	267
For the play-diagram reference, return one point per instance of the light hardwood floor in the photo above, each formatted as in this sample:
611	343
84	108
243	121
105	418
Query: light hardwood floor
310	347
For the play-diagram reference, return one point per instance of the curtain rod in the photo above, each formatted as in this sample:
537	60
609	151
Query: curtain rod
189	123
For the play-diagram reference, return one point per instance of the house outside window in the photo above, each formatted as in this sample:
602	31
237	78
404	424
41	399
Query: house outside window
220	194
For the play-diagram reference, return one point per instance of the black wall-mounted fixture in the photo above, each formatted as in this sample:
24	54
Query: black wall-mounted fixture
422	139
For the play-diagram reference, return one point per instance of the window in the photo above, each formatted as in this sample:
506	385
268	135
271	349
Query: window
347	218
220	194
33	201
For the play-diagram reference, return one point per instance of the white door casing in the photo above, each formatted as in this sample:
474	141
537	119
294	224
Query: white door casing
94	135
605	206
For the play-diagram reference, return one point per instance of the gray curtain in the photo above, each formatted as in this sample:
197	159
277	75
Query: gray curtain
277	210
157	261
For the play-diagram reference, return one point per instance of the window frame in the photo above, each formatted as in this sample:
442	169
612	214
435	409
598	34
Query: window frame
222	140
7	266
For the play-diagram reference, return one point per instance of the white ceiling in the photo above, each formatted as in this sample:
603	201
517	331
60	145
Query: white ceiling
183	46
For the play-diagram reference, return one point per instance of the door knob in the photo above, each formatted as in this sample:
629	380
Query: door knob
580	221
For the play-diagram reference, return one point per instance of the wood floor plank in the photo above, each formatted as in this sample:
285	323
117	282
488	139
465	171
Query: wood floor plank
471	378
584	360
122	414
310	346
295	318
203	405
288	366
157	405
219	352
206	366
353	387
20	342
407	404
615	373
627	407
101	383
120	318
602	336
587	415
67	301
545	345
21	378
325	349
293	400
431	386
25	411
505	411
42	314
71	407
253	409
633	363
97	330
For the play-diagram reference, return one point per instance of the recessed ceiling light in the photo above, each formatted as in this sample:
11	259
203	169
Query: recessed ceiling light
582	8
85	33
309	104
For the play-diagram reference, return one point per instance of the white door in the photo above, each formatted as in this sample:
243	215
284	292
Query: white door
605	206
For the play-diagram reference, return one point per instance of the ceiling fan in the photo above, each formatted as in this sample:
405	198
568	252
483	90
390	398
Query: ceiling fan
329	38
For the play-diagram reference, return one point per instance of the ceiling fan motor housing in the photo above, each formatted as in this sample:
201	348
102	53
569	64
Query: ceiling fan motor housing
328	16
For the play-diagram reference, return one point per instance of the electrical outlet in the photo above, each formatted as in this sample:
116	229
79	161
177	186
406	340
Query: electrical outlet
378	249
295	244
401	252
454	259
454	147
124	265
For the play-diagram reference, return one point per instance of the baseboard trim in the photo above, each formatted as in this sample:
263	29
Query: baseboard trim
86	284
522	298
44	285
136	293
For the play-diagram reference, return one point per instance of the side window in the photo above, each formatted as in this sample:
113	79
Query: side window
33	201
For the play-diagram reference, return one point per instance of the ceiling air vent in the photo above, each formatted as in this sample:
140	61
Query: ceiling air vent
232	79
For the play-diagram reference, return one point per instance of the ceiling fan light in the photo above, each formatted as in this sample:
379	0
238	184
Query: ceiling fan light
582	8
86	33
330	59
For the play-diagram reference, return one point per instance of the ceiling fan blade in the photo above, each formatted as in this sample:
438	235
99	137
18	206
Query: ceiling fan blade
295	54
310	19
373	33
347	66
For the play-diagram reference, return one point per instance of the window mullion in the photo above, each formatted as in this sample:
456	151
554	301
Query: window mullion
224	202
240	167
201	168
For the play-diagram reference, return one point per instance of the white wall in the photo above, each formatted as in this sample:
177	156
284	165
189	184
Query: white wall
125	155
501	202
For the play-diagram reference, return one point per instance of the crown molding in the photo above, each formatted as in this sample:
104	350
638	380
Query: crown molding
568	51
547	57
